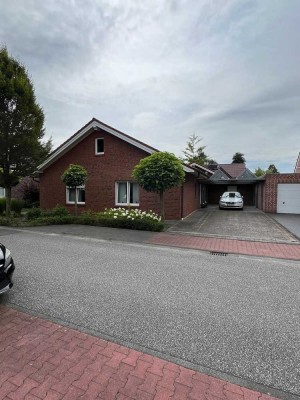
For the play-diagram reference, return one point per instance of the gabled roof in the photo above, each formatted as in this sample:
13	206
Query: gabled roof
220	175
95	124
297	166
233	170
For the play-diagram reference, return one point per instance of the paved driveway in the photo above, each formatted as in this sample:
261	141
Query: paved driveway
289	221
251	224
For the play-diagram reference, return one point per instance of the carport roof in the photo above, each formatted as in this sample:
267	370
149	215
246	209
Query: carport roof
233	173
233	170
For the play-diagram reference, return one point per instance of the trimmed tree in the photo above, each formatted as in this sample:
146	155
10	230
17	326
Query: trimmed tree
159	172
21	126
74	176
238	158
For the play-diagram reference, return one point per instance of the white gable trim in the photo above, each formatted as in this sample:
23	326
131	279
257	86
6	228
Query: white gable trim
81	134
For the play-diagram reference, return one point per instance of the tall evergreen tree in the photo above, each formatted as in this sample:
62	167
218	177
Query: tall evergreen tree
272	169
21	125
238	158
259	172
194	153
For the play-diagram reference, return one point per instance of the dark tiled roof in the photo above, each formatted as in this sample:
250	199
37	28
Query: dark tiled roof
233	170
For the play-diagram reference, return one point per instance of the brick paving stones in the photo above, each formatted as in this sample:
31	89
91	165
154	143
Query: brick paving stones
246	247
43	360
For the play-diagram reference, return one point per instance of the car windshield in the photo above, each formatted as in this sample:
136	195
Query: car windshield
231	194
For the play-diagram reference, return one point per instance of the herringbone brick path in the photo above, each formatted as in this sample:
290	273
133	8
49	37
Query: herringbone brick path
42	360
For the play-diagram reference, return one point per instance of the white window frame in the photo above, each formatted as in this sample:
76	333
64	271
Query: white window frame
77	192
3	192
128	194
96	146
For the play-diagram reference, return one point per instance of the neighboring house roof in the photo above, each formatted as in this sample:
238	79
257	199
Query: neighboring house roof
95	124
205	172
297	166
234	171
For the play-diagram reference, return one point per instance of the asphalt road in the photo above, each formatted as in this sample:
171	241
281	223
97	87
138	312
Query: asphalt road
235	315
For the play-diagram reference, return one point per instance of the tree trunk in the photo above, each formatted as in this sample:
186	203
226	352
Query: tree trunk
76	201
8	201
162	205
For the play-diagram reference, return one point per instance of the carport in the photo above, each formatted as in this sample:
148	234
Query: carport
216	189
232	178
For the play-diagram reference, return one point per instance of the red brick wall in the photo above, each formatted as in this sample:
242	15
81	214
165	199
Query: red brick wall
116	164
190	195
270	189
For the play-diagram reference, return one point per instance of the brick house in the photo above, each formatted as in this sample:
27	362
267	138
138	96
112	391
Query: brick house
281	192
109	157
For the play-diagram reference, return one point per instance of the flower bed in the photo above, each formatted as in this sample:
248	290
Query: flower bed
124	218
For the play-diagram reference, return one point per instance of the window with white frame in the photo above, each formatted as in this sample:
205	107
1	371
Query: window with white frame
127	194
80	193
99	146
2	192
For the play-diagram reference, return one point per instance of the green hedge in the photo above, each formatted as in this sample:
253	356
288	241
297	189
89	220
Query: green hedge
58	211
114	218
100	220
16	206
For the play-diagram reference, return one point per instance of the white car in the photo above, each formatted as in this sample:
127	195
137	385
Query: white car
231	200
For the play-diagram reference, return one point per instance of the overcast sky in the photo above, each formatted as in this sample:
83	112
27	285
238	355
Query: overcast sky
161	70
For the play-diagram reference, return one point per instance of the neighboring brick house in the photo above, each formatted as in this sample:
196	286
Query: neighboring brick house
281	192
109	157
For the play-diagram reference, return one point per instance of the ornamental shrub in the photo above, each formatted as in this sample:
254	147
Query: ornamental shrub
33	213
17	205
59	211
